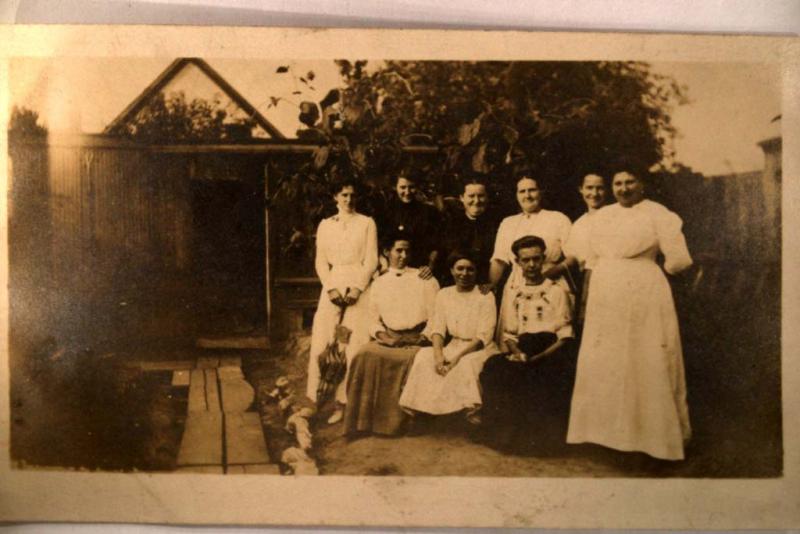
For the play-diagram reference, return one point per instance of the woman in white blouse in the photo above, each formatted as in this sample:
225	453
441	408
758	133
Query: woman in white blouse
444	378
346	258
630	390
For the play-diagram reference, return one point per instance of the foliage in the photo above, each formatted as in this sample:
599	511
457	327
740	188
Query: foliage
560	120
174	119
24	122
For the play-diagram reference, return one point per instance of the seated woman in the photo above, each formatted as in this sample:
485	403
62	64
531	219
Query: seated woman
444	377
400	305
526	390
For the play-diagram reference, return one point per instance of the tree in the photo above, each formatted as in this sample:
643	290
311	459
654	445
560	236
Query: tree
24	122
173	119
559	119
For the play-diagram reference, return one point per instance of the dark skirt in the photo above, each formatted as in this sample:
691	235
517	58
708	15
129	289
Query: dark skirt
376	379
526	404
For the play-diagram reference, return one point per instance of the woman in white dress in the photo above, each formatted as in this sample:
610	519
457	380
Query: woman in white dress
444	378
346	258
630	389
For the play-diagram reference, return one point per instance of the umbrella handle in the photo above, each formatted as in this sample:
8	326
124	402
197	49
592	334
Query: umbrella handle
343	308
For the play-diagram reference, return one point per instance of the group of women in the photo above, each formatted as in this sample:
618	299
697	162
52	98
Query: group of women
417	349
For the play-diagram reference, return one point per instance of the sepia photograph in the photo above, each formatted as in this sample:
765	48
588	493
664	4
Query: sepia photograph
395	267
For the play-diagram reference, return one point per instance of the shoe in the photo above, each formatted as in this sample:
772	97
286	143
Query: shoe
337	416
473	416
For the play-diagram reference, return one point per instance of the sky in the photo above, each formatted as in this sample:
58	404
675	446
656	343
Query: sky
730	107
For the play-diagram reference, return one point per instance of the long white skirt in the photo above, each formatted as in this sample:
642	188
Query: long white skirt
630	390
322	331
429	392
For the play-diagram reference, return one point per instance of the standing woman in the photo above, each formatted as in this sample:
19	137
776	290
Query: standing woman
346	258
578	247
472	228
630	389
406	214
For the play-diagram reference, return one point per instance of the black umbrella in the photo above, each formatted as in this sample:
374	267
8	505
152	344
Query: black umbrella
332	361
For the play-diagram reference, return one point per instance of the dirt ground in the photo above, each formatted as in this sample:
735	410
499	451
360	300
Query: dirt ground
734	395
75	404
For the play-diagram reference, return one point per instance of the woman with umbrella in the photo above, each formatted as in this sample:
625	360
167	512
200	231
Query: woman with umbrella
346	258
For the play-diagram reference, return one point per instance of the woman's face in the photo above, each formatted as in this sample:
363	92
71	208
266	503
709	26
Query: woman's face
406	190
346	199
628	189
398	254
529	195
464	273
474	199
593	191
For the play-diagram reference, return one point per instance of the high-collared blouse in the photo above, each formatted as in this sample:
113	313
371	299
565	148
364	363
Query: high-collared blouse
347	252
401	300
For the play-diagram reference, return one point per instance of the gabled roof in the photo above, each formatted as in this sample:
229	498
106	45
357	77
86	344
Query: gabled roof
169	73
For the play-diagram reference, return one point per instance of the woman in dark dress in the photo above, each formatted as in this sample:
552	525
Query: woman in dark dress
421	223
526	389
472	229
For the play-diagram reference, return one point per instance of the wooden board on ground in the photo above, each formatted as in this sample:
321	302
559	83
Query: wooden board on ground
197	392
255	342
244	439
237	394
230	373
206	362
230	361
201	443
181	378
212	391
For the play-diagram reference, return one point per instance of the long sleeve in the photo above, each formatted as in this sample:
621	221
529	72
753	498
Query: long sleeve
502	243
438	324
509	314
562	312
564	227
431	289
321	263
672	242
370	261
373	313
487	319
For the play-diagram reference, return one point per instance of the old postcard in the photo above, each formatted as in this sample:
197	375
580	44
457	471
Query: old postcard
399	278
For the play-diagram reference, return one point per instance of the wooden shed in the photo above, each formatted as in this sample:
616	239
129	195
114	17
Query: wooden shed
105	222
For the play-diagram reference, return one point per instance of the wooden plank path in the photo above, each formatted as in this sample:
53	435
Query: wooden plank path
221	435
